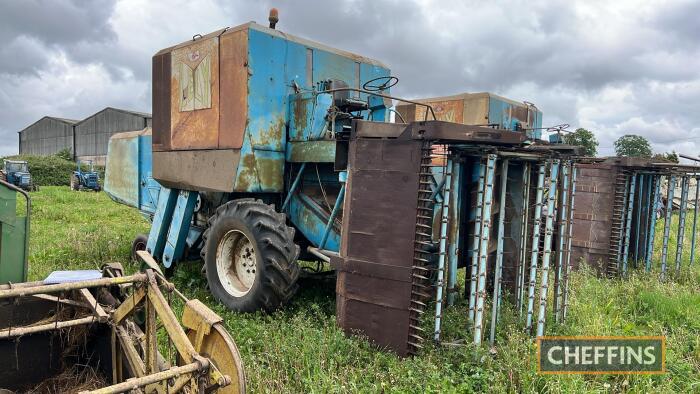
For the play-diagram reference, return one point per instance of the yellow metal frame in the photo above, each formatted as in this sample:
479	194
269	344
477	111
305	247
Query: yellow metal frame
132	347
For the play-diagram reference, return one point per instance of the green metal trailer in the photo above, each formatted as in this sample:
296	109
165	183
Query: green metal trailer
14	234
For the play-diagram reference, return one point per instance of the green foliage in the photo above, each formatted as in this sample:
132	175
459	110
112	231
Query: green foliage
584	138
52	170
300	348
65	154
48	170
631	145
671	157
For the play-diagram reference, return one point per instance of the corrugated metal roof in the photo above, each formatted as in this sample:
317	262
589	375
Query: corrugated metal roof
63	120
72	121
126	111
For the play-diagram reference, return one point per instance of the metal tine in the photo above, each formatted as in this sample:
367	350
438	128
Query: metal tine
446	195
563	227
483	248
475	239
535	245
649	206
523	240
685	184
628	225
454	230
623	222
549	226
496	300
638	220
695	222
617	222
667	224
422	239
568	266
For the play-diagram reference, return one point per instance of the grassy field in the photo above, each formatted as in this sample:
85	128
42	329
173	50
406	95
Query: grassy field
300	349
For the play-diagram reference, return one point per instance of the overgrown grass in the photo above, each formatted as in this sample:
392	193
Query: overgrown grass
300	349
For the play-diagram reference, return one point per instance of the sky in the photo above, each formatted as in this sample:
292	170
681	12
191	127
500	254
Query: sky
613	67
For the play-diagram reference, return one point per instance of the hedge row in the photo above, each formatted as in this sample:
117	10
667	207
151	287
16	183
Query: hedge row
51	170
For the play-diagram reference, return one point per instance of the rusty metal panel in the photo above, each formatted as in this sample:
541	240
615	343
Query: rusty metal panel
234	88
448	131
161	101
447	110
476	109
593	215
467	108
194	105
374	281
193	169
513	226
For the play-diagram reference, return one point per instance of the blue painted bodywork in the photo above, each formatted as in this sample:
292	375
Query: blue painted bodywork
17	173
501	113
87	179
288	120
278	84
129	175
179	228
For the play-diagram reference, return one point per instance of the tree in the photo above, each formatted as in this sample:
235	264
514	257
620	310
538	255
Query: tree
631	145
583	138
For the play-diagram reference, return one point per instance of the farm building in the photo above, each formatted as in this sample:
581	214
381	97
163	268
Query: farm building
86	139
47	136
92	133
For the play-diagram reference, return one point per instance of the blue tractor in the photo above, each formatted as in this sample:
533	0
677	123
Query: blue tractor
246	163
85	179
16	172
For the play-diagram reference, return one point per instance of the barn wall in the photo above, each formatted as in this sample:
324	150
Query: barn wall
92	134
46	137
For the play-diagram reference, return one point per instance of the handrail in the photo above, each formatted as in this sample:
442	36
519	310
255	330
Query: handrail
427	106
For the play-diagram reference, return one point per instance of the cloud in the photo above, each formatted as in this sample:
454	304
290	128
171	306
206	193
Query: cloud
613	67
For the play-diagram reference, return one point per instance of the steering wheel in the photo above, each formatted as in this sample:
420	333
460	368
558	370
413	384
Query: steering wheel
380	83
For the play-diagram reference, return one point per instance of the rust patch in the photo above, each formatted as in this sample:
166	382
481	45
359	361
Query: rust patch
521	113
161	101
272	137
208	170
259	174
234	89
246	175
195	129
270	173
447	110
301	113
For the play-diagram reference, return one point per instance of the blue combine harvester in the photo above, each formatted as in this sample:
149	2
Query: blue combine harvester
249	113
249	164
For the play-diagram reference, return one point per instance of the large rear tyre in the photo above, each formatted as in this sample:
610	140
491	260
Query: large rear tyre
74	183
250	256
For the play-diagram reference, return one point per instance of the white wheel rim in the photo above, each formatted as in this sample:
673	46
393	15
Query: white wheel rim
236	263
